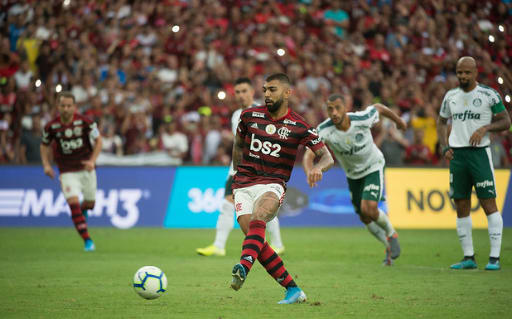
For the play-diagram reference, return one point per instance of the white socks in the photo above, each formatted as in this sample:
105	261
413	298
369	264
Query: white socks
274	233
225	224
384	223
378	232
495	226
464	230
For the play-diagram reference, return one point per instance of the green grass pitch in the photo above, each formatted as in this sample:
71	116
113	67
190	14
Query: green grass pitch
46	274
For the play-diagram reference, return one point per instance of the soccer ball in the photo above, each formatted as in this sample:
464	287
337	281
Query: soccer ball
149	282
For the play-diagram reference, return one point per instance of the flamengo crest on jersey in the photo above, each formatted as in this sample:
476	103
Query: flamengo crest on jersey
469	111
354	149
72	141
271	146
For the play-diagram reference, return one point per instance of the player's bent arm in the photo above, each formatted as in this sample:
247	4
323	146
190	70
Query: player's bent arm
325	161
442	126
314	172
307	160
45	158
500	122
97	148
45	155
386	112
238	151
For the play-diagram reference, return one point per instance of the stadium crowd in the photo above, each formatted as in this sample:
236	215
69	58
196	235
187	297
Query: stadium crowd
157	75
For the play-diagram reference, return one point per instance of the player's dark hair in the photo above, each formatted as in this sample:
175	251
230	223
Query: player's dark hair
65	94
243	80
335	96
281	77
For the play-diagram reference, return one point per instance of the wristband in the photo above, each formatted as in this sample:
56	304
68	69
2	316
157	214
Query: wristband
446	149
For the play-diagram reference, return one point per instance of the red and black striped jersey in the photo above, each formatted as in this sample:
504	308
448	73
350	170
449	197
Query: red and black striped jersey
271	146
72	141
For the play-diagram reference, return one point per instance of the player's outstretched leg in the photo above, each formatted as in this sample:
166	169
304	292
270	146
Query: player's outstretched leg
394	246
275	267
84	210
81	226
388	261
391	234
380	234
251	249
293	295
239	276
225	224
89	245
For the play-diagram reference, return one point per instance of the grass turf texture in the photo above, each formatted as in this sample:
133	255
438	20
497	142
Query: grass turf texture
46	274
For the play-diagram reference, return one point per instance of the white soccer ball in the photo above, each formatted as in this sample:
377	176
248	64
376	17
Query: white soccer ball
149	282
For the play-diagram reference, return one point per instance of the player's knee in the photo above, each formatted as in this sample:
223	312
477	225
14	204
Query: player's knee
365	219
489	205
243	221
88	205
370	210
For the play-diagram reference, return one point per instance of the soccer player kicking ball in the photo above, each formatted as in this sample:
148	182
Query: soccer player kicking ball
349	137
244	95
475	110
264	153
75	157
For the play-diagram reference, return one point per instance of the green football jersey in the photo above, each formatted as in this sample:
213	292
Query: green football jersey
469	111
354	149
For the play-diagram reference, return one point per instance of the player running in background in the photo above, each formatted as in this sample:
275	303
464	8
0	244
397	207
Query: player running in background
264	153
349	137
75	156
475	110
244	95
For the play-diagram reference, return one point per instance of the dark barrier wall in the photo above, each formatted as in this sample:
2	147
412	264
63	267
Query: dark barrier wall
190	197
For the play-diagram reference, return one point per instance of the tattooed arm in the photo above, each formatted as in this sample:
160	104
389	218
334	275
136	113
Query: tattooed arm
314	172
238	151
442	135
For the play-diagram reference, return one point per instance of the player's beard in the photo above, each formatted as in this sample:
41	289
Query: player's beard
66	117
274	106
464	84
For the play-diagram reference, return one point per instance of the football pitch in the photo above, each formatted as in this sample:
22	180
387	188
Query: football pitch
46	274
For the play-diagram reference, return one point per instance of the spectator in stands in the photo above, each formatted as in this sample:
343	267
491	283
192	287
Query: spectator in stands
23	77
396	52
174	142
498	153
391	142
418	153
30	142
7	153
112	142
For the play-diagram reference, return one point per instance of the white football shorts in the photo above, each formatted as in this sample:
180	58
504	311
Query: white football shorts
245	197
79	182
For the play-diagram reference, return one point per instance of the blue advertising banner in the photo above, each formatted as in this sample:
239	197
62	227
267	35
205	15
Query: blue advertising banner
126	197
196	202
328	204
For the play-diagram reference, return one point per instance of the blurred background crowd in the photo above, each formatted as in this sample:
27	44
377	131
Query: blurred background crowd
157	75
